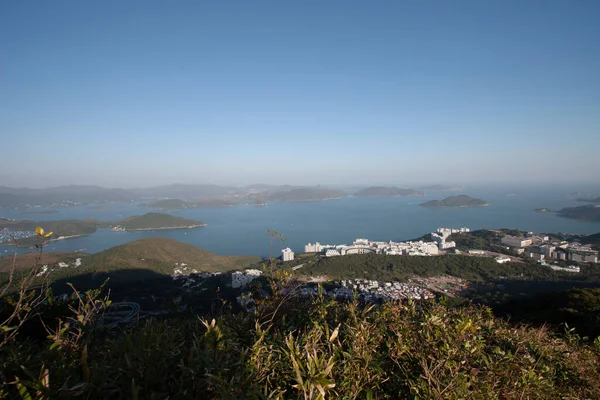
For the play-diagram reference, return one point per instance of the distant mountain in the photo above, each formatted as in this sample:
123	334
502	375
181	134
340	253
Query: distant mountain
176	204
385	191
456	201
154	221
589	200
186	192
306	194
441	187
589	212
62	195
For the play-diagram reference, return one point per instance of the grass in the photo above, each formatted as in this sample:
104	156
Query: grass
313	350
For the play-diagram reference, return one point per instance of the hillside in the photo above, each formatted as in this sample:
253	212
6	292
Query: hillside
587	213
154	221
160	255
306	194
456	201
385	191
304	348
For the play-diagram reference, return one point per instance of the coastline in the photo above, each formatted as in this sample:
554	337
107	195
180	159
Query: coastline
165	228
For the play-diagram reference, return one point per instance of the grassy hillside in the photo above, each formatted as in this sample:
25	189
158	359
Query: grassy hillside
316	349
160	255
456	201
152	221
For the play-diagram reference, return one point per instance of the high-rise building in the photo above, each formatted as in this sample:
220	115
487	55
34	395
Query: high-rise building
287	254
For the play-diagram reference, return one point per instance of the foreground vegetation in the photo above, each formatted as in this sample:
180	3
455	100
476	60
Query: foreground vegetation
291	348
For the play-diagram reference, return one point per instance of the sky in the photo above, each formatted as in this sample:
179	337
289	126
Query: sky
140	93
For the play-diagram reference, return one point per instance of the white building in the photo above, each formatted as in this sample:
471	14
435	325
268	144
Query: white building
502	260
287	254
332	253
240	279
515	241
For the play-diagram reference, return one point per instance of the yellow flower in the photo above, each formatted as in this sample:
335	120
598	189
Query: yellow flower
40	232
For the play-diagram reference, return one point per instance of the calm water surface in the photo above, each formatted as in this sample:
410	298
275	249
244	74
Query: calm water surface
242	230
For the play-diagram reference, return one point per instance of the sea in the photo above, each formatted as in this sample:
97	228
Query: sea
242	230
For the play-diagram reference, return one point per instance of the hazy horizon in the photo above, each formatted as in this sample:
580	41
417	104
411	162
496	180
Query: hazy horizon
145	93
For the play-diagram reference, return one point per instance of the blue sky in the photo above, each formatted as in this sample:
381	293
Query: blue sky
136	93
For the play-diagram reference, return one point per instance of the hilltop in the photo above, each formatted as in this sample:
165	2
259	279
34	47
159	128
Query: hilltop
160	255
306	194
456	201
385	191
154	221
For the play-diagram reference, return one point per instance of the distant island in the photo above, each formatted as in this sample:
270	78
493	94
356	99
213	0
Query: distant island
589	200
385	191
543	209
154	221
176	204
442	187
75	228
456	201
306	194
589	212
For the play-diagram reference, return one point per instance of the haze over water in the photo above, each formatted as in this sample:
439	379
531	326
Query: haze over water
242	230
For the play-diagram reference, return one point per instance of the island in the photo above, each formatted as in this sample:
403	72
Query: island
543	209
177	204
306	194
387	191
589	212
153	221
442	187
589	200
456	201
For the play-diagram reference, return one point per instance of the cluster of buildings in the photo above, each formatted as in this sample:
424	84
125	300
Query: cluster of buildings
372	291
45	269
241	279
7	235
540	248
365	246
442	234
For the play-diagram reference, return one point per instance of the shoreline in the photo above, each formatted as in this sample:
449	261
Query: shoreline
165	228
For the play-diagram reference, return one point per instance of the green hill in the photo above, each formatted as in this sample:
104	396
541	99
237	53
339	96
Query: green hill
154	221
385	191
160	255
456	201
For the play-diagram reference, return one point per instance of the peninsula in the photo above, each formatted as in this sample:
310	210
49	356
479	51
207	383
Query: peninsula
586	213
387	191
306	194
153	221
456	201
